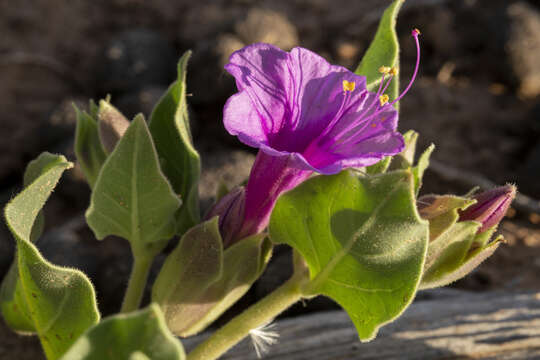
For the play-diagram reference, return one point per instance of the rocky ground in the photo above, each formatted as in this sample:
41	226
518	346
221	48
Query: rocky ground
476	98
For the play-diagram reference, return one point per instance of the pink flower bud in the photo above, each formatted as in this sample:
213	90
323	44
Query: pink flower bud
490	208
230	210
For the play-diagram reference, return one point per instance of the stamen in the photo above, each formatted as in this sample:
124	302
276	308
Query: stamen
348	85
393	71
414	33
383	99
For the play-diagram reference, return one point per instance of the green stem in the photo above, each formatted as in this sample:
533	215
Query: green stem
259	314
137	283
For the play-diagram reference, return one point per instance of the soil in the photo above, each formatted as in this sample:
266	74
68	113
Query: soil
476	98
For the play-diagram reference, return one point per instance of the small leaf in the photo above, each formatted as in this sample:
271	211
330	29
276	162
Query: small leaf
132	198
138	335
199	281
362	239
380	167
111	124
441	211
56	303
383	51
88	148
405	159
421	166
169	125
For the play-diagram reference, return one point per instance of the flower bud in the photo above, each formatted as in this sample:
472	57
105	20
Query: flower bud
230	210
490	207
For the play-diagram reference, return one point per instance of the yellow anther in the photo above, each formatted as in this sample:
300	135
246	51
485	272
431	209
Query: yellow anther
394	71
348	85
384	69
416	32
383	99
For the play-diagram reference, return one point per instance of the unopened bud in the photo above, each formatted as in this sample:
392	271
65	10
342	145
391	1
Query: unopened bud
230	210
490	206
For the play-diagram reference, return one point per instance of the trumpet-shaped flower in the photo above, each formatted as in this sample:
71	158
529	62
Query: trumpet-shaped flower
304	115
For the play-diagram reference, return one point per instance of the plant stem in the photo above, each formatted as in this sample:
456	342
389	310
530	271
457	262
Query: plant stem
259	314
136	284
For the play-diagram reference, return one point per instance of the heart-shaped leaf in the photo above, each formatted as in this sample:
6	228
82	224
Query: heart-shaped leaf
138	335
199	281
383	51
88	149
56	303
362	239
132	198
169	125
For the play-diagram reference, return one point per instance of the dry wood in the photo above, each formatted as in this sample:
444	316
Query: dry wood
465	326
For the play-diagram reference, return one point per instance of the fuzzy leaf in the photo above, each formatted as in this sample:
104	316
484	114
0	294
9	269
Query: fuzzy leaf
420	168
362	239
138	335
199	281
132	198
111	125
405	159
88	148
383	50
456	253
56	303
380	167
169	125
441	211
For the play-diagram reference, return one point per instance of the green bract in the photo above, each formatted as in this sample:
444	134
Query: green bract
362	239
132	198
169	125
58	304
138	335
199	280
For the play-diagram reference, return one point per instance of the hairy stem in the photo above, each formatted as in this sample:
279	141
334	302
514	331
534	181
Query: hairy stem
136	285
253	317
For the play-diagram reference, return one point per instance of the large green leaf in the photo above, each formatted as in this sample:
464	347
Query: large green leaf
362	239
199	281
132	198
383	51
88	148
137	335
56	303
169	125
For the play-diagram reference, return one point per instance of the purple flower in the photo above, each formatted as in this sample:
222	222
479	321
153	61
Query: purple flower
304	115
490	206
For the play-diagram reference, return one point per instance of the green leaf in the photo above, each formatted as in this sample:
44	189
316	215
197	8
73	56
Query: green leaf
362	239
56	303
132	198
138	335
88	148
383	51
112	125
169	125
405	159
199	281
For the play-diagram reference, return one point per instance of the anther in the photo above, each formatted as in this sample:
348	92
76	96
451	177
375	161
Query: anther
383	99
393	71
348	85
384	69
415	32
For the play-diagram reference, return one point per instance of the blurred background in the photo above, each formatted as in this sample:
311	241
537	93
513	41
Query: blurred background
476	98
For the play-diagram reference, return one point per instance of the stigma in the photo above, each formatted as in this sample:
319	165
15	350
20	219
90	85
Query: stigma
348	85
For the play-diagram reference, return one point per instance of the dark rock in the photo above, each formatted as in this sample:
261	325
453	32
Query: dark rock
135	59
268	26
64	247
523	47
